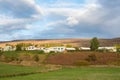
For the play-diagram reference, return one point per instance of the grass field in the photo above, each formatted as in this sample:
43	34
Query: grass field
82	73
6	69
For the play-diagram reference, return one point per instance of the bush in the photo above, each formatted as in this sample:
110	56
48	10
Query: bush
25	57
52	52
34	52
36	58
81	63
91	58
103	50
118	50
1	53
41	52
117	63
77	49
10	59
10	56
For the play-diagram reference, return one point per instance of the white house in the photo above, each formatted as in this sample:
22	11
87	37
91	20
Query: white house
84	48
46	50
9	48
112	49
55	49
31	48
42	48
70	49
1	49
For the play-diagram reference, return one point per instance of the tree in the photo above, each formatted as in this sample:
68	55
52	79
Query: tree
94	44
117	47
19	47
91	58
69	45
36	57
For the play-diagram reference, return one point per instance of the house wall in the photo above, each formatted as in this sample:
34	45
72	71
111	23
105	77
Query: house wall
111	49
84	48
9	48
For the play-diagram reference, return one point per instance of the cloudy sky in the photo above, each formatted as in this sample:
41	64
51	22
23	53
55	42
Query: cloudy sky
53	19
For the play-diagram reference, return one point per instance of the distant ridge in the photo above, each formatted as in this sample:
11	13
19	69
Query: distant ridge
77	42
25	40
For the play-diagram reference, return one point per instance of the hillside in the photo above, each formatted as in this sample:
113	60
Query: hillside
79	58
75	42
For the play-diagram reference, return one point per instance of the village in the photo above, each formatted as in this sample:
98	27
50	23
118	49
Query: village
56	49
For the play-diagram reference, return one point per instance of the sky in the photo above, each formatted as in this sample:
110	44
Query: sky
55	19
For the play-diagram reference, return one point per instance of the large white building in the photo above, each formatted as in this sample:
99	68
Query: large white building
31	48
84	48
1	49
56	49
9	48
111	49
70	49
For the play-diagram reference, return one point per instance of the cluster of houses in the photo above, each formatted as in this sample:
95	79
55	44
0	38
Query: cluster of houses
110	49
8	48
46	50
57	49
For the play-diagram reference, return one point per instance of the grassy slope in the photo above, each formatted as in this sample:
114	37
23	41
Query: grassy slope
16	55
72	58
10	69
74	74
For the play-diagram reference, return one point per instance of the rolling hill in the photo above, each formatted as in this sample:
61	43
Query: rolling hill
77	42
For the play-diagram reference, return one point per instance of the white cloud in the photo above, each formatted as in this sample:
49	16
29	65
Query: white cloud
16	14
19	10
75	16
72	21
93	17
59	18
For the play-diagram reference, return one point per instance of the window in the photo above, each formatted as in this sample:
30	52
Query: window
58	48
61	48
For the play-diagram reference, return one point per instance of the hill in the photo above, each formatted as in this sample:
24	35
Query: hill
75	42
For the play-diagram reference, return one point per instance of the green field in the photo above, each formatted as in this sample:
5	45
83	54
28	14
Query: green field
6	69
82	73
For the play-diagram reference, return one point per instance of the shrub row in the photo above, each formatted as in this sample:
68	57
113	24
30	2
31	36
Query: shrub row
19	57
85	58
20	74
29	73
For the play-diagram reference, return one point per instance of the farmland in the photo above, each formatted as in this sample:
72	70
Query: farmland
79	73
22	65
6	69
34	58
